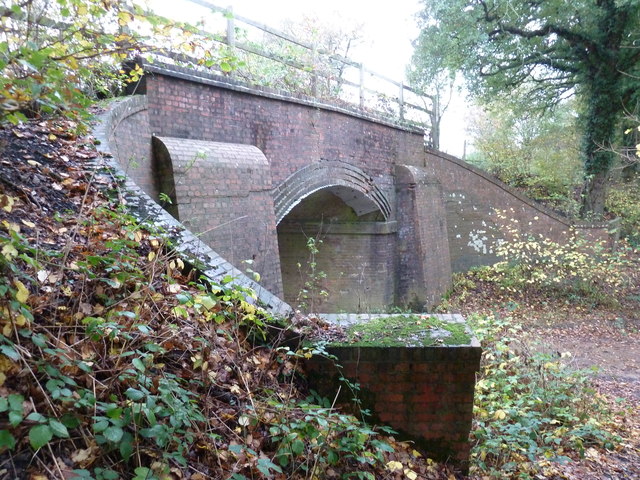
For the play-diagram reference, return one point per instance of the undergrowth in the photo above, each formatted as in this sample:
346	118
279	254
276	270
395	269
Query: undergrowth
531	409
578	266
116	362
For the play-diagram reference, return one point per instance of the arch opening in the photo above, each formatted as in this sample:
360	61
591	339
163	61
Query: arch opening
337	252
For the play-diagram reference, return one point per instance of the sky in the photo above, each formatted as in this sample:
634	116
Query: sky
387	32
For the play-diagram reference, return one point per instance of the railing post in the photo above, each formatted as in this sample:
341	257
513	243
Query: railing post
362	86
435	122
314	71
231	27
401	101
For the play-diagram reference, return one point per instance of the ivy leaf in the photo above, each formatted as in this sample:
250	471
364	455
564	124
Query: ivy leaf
39	436
100	425
134	394
15	417
126	446
297	447
265	466
10	352
138	364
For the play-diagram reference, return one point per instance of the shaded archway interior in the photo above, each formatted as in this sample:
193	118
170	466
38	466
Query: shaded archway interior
355	256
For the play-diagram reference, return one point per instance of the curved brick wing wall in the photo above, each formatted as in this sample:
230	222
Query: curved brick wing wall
471	198
116	136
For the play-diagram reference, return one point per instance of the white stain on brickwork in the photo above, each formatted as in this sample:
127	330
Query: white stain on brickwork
478	241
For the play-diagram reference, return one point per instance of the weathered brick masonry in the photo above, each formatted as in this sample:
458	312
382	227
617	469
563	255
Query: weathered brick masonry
368	163
223	191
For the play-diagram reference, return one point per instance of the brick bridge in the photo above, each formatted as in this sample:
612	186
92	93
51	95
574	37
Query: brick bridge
256	172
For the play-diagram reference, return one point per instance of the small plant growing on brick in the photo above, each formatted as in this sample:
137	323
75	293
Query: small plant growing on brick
312	292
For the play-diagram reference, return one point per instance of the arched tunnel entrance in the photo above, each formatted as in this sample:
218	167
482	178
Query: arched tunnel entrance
352	267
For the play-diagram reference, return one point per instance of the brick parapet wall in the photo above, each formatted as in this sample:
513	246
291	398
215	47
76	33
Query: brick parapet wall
292	134
107	131
424	393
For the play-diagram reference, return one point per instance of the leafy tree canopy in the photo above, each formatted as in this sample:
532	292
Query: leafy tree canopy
588	48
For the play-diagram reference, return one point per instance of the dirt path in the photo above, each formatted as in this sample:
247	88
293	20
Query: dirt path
613	346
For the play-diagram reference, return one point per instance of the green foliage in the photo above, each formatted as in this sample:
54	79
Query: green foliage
139	372
316	71
546	52
623	201
531	408
537	154
59	56
315	438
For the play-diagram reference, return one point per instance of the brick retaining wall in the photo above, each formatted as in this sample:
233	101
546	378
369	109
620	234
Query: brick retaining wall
424	393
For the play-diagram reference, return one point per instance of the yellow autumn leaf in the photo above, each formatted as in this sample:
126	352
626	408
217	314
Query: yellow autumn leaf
11	227
393	466
7	202
3	377
21	321
151	256
500	415
410	474
9	251
23	293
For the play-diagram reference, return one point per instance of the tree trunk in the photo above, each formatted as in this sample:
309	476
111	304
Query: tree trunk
594	195
600	122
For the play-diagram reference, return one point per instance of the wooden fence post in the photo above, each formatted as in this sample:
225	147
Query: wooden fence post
362	86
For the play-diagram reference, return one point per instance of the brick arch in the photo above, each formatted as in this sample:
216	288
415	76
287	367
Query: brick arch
334	175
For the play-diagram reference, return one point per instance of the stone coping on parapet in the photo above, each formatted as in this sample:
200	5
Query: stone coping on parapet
349	321
229	83
144	208
609	225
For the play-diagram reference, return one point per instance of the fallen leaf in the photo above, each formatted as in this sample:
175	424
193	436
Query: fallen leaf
6	202
410	474
23	293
